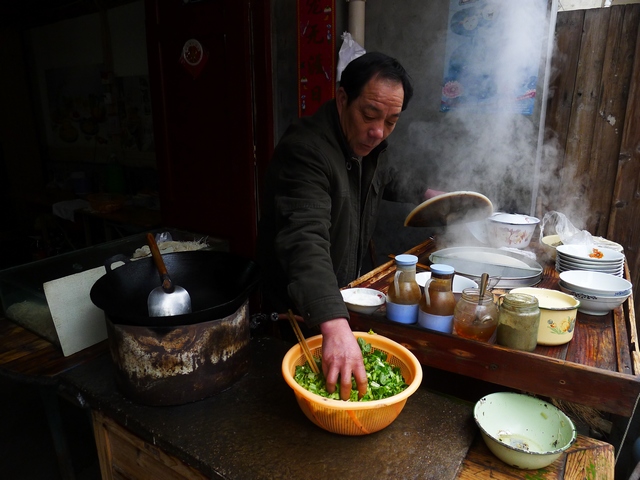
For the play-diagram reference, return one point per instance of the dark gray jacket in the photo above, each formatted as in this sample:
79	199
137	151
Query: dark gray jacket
318	215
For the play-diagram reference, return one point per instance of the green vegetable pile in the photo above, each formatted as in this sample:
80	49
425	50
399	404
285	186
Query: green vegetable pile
385	380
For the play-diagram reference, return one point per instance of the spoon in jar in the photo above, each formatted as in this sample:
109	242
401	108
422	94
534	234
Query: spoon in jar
483	286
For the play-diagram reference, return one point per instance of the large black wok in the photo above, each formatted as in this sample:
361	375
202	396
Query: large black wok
218	283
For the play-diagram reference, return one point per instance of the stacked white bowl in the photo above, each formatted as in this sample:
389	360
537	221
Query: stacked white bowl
587	257
598	292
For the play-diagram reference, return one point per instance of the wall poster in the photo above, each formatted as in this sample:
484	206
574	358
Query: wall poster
493	55
316	54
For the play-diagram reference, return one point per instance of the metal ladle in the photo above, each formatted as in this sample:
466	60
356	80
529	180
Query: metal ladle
168	299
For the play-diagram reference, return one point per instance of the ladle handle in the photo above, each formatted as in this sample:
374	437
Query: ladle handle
167	284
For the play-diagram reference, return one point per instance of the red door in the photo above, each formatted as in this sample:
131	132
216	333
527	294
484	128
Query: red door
203	116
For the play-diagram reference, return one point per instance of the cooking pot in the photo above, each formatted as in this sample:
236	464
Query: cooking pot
218	283
182	358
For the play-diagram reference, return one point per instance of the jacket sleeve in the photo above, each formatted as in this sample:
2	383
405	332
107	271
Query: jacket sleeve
304	185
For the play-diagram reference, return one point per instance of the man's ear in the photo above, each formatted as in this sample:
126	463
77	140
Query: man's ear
341	99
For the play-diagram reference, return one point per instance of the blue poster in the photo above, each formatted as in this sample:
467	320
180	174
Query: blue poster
493	55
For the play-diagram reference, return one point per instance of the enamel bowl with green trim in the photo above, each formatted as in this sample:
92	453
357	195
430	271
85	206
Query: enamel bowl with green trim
523	431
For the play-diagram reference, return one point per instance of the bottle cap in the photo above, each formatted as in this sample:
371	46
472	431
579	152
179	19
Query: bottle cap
441	269
406	259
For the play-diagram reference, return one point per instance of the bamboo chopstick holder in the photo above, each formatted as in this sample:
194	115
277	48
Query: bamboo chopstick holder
303	343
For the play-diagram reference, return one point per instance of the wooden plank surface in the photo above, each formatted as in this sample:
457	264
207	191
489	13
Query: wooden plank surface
28	357
586	459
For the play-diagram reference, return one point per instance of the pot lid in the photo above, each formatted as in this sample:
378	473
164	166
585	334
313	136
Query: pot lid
449	209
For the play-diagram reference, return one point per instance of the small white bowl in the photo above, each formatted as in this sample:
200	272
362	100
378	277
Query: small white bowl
523	431
597	283
593	304
363	300
549	244
511	230
459	283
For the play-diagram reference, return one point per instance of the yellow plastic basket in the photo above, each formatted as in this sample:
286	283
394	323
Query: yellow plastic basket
354	418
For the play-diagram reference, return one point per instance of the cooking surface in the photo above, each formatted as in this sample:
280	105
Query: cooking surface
255	429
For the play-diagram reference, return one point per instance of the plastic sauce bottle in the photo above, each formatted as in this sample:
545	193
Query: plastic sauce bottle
403	295
518	322
438	303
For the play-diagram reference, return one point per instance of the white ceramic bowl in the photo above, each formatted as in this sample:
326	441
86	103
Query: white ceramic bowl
363	300
593	304
511	230
459	283
558	313
523	431
597	283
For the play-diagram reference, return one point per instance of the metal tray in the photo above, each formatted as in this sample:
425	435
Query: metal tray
511	270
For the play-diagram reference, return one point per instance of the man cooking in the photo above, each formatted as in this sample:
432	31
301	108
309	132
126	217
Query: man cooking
323	191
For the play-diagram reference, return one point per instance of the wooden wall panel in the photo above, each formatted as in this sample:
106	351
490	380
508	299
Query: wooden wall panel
575	180
624	222
607	134
593	120
564	64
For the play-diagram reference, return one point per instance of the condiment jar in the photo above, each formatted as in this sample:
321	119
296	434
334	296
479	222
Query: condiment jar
438	302
474	317
403	295
518	321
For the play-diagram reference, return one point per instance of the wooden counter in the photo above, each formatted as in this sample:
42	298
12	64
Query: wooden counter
166	440
598	368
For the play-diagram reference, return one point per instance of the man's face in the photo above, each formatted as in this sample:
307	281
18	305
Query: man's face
371	117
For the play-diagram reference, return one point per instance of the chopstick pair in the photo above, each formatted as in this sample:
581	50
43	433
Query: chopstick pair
303	343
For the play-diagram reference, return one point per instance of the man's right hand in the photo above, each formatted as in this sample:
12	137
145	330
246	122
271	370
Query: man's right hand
341	356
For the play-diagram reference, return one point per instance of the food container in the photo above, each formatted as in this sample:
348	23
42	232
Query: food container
518	321
354	418
558	312
511	230
594	304
523	431
596	283
363	300
475	318
181	358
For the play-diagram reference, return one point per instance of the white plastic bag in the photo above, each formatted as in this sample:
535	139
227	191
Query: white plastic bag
567	232
350	50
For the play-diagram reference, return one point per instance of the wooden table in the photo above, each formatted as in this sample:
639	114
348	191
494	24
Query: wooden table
598	368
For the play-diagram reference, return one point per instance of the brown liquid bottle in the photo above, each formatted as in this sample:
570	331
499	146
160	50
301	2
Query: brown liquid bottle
404	293
438	302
